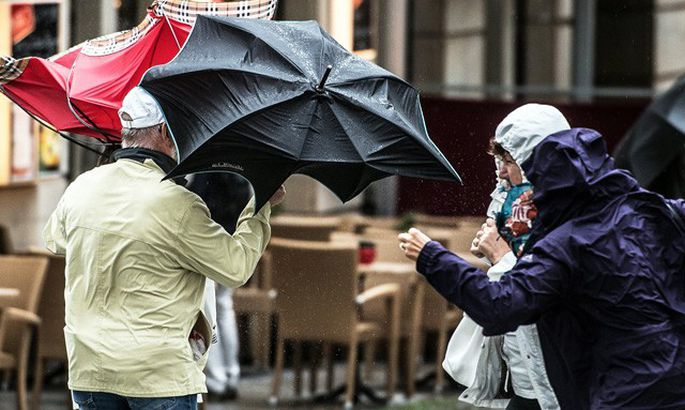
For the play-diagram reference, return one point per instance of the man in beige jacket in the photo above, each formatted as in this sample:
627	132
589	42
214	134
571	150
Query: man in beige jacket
138	252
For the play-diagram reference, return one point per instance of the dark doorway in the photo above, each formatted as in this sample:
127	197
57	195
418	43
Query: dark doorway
624	43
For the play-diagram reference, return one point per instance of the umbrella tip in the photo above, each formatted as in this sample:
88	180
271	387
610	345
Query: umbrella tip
319	88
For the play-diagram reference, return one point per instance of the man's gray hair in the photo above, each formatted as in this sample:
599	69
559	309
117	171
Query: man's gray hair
141	137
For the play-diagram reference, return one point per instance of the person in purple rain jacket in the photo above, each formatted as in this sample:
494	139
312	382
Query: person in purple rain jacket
602	275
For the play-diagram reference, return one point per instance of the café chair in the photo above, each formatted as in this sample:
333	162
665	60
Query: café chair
19	315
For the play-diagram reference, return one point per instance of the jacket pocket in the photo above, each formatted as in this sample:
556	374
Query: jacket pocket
200	338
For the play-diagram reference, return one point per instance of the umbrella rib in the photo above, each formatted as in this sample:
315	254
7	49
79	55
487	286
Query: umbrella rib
256	37
205	70
388	77
407	129
420	141
352	142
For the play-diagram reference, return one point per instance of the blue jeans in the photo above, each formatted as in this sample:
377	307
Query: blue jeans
108	401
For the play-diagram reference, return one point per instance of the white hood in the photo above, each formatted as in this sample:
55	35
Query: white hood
525	127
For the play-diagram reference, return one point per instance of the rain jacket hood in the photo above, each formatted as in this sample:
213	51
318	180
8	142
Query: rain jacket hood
572	172
519	133
525	127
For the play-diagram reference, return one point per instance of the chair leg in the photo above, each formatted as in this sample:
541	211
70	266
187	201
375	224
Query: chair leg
412	363
278	371
439	357
37	383
369	358
256	338
265	345
314	368
328	359
351	373
297	367
394	348
414	342
22	370
6	376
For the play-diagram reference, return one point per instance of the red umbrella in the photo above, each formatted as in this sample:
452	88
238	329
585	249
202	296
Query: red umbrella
81	90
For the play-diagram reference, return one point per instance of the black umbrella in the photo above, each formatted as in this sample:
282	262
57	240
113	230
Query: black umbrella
657	138
267	99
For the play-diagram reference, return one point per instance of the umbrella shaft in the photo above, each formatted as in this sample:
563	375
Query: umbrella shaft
319	87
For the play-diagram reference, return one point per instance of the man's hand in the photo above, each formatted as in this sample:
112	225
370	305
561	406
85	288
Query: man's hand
491	244
278	196
412	243
474	244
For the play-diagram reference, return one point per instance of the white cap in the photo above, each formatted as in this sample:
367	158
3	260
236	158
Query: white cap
525	127
140	110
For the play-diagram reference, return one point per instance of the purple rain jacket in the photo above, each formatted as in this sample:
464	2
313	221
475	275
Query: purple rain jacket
602	276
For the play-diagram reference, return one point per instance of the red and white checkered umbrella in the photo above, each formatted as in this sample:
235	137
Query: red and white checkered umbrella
80	91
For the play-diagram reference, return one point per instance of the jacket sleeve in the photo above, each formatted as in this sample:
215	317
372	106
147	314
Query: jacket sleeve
533	285
203	246
54	234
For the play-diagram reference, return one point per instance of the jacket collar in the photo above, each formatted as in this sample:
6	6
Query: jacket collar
165	162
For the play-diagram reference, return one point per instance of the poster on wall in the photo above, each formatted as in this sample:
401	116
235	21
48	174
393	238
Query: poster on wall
34	149
50	148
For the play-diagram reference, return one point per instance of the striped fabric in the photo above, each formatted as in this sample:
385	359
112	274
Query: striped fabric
186	11
112	43
182	11
11	68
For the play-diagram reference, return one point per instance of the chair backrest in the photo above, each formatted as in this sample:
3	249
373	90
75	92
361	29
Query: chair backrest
316	284
26	274
51	311
304	228
376	311
387	248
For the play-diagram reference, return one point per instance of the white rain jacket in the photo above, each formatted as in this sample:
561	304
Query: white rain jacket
519	133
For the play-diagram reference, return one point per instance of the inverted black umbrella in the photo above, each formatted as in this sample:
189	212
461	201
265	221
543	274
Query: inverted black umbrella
268	99
657	138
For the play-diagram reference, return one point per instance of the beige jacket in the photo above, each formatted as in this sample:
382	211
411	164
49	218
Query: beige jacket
138	251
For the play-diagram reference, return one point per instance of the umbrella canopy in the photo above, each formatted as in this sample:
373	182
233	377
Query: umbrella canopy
81	90
268	99
657	138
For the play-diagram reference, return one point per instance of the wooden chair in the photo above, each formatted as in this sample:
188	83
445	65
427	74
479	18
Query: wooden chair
412	294
318	301
304	228
258	298
19	315
439	317
51	345
411	297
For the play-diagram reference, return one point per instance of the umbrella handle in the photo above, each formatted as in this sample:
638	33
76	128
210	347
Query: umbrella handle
319	88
